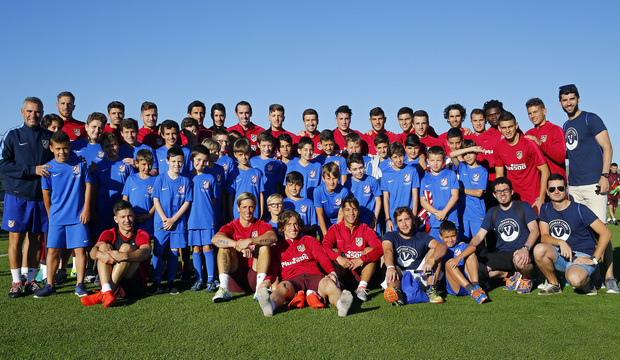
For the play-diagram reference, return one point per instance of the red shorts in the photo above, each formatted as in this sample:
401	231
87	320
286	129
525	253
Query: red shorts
242	280
612	202
306	282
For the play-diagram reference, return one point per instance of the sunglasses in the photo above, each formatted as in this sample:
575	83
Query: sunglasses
567	86
559	188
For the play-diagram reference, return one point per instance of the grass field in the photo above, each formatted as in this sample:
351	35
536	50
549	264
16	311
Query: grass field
190	325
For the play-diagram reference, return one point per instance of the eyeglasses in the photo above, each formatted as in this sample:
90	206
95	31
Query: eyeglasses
497	192
567	86
559	188
274	204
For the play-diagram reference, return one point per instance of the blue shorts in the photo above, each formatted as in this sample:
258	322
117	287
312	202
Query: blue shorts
469	228
176	240
200	237
22	216
562	264
462	291
68	236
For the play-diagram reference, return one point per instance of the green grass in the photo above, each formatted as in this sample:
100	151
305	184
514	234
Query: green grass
189	325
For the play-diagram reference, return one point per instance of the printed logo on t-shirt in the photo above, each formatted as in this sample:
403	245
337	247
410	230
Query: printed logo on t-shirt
444	181
457	252
205	184
76	132
519	154
269	167
76	169
543	138
407	178
181	189
11	223
572	138
159	142
225	166
218	177
559	229
366	189
46	144
149	189
121	168
301	248
508	229
312	174
476	177
100	154
359	241
253	179
338	201
319	147
253	137
406	256
303	208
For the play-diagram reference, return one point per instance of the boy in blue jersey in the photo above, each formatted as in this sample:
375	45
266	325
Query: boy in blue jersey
303	206
244	178
454	142
328	197
328	145
399	185
473	178
308	168
138	190
460	270
354	146
271	168
169	130
67	195
218	172
89	147
414	156
381	161
365	189
225	161
439	191
201	221
128	151
275	205
285	148
172	197
108	182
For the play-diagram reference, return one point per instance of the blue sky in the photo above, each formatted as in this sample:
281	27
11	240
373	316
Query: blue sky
321	54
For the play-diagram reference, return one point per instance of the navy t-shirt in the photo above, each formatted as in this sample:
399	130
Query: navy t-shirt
585	156
512	233
409	253
571	225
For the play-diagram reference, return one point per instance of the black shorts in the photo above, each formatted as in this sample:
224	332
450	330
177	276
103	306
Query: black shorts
497	260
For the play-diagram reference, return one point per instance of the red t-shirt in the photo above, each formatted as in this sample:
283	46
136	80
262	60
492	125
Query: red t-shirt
370	140
428	142
521	162
295	257
236	231
341	143
443	139
75	129
142	238
251	134
352	244
150	137
316	138
116	132
488	140
553	147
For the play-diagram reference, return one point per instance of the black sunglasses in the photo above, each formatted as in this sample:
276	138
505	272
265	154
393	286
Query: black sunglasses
567	86
559	188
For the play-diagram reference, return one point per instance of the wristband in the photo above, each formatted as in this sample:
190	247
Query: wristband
605	175
388	219
433	261
391	267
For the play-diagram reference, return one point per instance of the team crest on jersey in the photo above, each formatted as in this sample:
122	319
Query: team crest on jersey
407	177
205	184
519	154
225	166
359	241
121	168
476	177
100	154
559	229
46	144
572	138
366	189
457	252
11	223
543	138
269	167
76	169
406	255
508	229
254	234
181	189
218	177
338	201
159	142
303	208
301	248
319	147
253	137
312	174
149	189
444	182
254	179
76	132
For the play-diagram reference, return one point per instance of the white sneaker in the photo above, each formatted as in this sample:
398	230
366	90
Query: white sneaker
346	299
361	294
264	301
222	295
544	286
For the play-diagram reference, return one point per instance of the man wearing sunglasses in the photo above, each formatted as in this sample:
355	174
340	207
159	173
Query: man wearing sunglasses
566	243
514	224
589	154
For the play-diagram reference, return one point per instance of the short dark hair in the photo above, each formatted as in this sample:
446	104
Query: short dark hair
491	104
266	136
382	139
613	164
174	151
555	176
377	111
459	107
122	205
454	133
200	149
116	105
242	145
447	226
218	132
403	209
219	107
568	89
243	103
344	109
310	112
477	111
356	158
66	93
305	141
146	155
189	122
147	105
396	148
353	137
326	135
169	124
49	119
60	137
421	113
196	103
107	138
350	200
467	143
499	181
506	116
276	107
295	177
284	137
436	150
405	110
412	140
97	116
129	123
534	102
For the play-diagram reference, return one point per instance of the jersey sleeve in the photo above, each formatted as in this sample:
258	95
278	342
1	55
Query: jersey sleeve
454	181
415	179
528	213
156	188
318	196
587	216
555	147
87	177
189	193
8	166
544	213
374	242
329	242
374	187
312	216
595	123
496	155
487	223
107	236
319	253
142	238
537	153
228	230
46	182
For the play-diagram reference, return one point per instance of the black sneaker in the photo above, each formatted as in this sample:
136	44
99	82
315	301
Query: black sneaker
173	290
61	276
32	288
155	289
16	290
90	275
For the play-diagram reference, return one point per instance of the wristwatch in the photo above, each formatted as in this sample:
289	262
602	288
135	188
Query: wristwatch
605	175
593	258
526	247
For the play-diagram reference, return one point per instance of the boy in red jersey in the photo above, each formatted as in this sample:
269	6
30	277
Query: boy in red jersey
548	136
